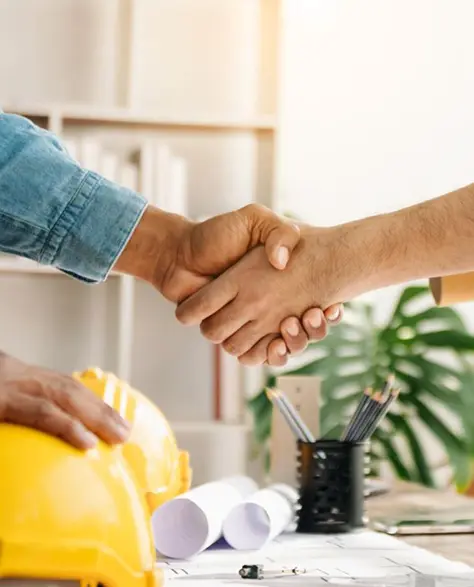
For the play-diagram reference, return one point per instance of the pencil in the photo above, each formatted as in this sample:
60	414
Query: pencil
297	417
294	423
385	409
362	420
370	416
387	388
362	405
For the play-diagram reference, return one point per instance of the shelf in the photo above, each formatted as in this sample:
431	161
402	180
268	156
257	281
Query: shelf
32	268
207	427
76	114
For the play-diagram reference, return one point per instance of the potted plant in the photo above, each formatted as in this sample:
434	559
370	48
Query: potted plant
427	349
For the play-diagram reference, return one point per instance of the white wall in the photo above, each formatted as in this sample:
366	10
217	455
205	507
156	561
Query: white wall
376	106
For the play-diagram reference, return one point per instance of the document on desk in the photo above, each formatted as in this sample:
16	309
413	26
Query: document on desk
364	558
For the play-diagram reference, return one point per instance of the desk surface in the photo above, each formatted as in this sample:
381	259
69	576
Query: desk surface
456	547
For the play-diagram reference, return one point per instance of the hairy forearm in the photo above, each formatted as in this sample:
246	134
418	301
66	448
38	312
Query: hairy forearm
434	238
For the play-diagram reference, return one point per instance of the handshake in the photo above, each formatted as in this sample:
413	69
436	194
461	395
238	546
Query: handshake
246	277
256	284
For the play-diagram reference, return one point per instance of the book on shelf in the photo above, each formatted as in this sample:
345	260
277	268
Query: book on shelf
178	202
129	176
145	165
72	149
109	166
162	177
89	154
154	170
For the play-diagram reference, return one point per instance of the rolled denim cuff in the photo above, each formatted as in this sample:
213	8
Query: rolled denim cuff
93	229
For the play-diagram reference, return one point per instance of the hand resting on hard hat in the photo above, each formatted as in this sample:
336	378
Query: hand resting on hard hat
56	404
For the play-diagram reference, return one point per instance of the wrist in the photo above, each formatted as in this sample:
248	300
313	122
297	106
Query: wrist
351	259
151	251
375	254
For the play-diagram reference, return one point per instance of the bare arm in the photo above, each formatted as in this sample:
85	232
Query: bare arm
434	238
330	265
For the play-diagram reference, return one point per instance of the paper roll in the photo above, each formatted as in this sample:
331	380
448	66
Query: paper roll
261	517
453	289
189	523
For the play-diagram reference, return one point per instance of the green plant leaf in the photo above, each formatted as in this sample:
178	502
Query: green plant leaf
403	426
431	369
394	458
447	315
360	353
409	294
445	396
450	339
455	447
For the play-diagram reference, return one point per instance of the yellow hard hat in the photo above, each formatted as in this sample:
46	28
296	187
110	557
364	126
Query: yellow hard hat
71	515
162	470
85	516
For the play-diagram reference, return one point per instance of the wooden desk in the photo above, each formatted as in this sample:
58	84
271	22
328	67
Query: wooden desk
403	495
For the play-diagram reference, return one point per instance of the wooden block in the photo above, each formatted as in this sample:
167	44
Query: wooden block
453	289
304	393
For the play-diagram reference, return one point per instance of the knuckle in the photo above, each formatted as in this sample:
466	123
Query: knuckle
211	331
69	429
255	208
45	410
231	347
181	315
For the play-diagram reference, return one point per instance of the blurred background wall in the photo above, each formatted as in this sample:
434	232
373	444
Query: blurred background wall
332	110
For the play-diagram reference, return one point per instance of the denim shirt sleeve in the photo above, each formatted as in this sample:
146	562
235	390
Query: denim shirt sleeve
55	212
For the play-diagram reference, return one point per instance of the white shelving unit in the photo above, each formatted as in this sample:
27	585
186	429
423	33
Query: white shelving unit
148	78
58	116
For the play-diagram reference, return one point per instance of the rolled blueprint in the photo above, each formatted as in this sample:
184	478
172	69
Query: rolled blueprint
261	517
189	523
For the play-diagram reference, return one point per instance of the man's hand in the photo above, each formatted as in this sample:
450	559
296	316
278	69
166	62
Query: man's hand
244	308
295	336
56	404
179	257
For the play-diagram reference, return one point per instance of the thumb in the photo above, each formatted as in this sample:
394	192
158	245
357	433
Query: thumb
280	243
278	235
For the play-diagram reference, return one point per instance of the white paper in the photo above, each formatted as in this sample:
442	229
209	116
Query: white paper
362	558
261	517
188	524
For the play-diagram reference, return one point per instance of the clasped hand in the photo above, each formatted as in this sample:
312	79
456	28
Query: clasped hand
247	277
244	277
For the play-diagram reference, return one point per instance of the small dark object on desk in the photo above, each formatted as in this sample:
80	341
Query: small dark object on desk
251	572
256	572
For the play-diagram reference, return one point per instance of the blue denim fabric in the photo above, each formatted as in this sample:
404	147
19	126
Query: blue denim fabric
55	212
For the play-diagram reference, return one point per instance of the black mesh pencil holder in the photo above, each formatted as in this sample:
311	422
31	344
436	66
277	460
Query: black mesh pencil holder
331	486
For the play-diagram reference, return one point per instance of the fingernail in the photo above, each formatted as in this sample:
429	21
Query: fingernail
123	430
87	438
315	320
281	350
282	256
333	314
293	330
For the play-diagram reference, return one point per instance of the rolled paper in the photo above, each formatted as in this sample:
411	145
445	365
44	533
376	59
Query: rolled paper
453	289
189	523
